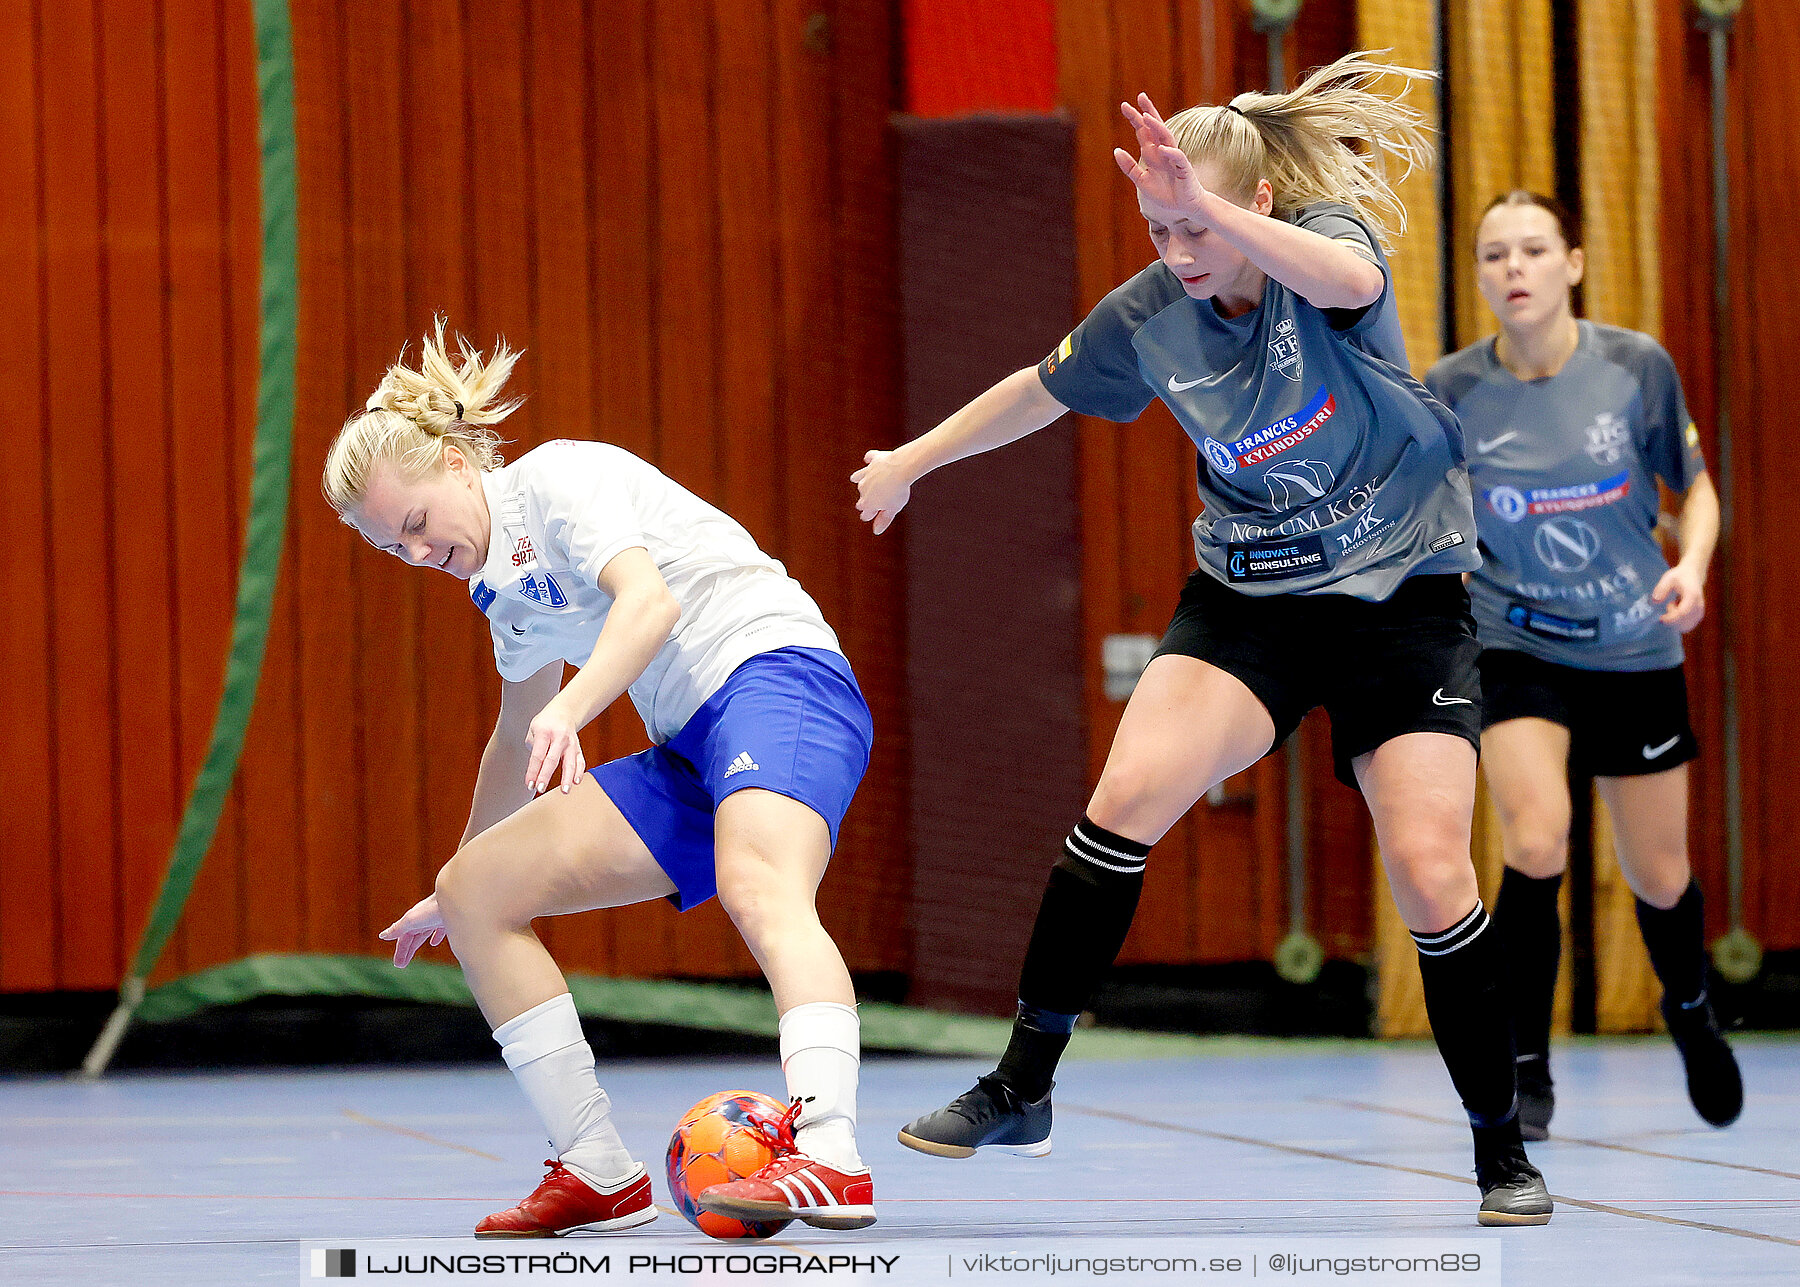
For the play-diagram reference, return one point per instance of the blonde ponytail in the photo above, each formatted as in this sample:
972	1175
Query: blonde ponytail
414	413
1333	138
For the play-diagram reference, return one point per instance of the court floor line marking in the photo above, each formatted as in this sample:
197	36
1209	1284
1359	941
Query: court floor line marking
1780	1204
1564	1139
364	1119
1153	1124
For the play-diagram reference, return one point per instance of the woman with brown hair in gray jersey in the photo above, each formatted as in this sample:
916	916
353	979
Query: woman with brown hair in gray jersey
1337	525
1570	425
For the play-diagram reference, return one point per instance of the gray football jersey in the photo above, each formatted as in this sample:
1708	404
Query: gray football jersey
1565	472
1324	466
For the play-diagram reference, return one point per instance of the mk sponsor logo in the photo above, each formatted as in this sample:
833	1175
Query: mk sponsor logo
1367	527
1636	619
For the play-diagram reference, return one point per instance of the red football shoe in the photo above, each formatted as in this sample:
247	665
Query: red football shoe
796	1187
564	1202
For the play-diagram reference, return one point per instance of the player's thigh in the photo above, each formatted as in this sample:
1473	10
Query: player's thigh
1526	764
1420	788
768	845
1188	725
561	853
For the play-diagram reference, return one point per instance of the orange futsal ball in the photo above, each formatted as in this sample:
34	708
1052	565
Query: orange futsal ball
714	1144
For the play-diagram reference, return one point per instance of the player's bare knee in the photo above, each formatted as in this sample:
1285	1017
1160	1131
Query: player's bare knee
1662	886
1120	797
1436	880
1540	854
470	890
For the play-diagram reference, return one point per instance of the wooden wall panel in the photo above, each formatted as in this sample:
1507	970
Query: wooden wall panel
28	833
134	310
81	601
864	235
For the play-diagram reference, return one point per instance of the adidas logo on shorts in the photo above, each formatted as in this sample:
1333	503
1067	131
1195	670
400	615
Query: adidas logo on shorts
742	764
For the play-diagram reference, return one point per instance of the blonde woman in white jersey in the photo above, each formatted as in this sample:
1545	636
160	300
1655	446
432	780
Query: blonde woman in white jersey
579	552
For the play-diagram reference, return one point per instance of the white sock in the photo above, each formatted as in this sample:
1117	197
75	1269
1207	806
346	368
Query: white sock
821	1043
555	1068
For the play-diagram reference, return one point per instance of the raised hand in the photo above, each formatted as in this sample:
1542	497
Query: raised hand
412	931
882	489
1161	171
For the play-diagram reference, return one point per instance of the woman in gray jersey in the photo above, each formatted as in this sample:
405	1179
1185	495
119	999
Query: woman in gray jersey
1570	424
1337	523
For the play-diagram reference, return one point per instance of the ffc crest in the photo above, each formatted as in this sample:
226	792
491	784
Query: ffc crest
1284	350
1608	437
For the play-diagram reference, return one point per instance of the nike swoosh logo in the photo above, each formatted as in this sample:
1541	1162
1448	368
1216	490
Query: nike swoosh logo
1438	699
1651	752
518	630
1482	448
1182	386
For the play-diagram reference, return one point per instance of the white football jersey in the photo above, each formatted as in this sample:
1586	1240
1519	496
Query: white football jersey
560	513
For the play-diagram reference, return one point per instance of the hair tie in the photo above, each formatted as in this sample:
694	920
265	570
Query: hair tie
1233	107
459	411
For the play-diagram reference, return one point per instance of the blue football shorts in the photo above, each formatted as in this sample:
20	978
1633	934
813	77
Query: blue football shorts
791	721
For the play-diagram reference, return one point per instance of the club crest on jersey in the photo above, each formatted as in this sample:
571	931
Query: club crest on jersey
541	587
1284	350
1608	437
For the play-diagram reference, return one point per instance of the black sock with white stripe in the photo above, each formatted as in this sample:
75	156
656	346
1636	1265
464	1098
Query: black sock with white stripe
1460	967
1088	904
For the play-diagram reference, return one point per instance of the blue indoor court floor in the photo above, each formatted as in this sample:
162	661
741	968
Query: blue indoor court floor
227	1178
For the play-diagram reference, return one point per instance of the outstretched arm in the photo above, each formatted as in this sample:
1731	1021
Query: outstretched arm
1018	405
1323	272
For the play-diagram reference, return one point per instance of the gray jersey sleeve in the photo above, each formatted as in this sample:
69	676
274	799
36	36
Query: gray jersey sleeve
1671	443
1094	371
1335	222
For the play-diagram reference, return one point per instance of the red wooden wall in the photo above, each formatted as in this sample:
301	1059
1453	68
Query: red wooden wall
681	212
684	214
1759	369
